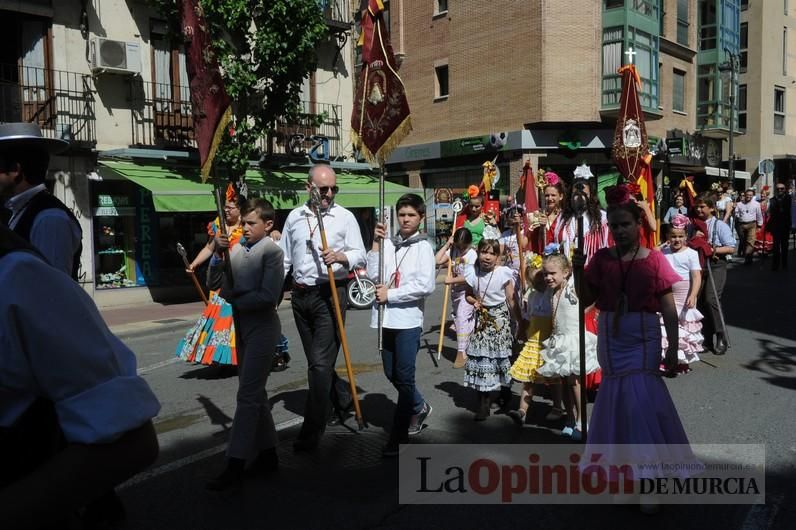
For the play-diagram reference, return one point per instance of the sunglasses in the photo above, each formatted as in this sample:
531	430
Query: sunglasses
780	189
324	190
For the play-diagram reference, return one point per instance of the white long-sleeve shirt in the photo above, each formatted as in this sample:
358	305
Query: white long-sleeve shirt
406	302
301	242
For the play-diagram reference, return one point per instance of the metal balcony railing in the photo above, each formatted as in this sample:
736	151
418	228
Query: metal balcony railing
62	103
337	13
316	119
162	115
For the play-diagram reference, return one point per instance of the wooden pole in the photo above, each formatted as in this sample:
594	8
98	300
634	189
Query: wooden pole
444	321
521	257
338	314
181	252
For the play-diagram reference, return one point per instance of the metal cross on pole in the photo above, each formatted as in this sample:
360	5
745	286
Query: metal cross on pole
630	54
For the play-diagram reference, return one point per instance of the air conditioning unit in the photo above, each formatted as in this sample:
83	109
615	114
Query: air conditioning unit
115	56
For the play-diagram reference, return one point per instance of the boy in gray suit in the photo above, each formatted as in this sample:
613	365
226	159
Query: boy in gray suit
256	266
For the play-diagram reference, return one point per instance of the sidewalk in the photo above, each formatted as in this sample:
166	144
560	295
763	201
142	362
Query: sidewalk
141	319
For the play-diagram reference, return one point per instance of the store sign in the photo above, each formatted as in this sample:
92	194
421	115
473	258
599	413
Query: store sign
473	145
687	150
146	270
113	200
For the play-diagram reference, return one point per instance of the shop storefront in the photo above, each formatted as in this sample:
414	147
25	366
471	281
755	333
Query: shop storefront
142	211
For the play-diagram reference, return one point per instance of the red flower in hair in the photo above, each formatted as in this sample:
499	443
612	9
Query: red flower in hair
473	191
616	195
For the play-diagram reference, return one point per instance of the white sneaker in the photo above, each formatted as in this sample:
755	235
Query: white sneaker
567	431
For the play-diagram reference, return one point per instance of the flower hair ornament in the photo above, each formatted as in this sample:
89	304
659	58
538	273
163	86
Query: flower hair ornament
551	179
473	191
231	194
551	249
617	195
715	186
680	221
533	260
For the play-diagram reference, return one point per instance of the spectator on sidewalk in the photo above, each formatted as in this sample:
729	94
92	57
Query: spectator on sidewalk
748	218
779	224
722	244
33	212
75	418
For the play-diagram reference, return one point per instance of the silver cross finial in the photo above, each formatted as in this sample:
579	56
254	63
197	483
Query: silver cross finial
630	54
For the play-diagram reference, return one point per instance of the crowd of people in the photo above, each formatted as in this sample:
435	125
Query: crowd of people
651	310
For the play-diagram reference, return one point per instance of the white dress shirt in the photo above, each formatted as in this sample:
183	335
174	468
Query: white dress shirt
54	344
301	242
416	280
53	232
749	212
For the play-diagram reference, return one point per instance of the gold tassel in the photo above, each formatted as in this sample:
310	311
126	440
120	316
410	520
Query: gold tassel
389	145
221	128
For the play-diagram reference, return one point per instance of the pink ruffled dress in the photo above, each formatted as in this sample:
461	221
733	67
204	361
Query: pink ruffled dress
690	339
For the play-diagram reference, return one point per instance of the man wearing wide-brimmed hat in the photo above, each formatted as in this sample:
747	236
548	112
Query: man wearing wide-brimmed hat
31	211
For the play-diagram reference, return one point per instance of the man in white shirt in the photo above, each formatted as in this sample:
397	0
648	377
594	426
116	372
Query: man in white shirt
313	308
748	218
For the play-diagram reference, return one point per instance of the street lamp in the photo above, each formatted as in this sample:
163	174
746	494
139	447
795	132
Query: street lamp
729	69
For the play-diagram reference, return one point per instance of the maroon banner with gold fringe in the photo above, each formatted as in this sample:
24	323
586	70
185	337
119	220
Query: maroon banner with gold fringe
209	99
380	118
630	149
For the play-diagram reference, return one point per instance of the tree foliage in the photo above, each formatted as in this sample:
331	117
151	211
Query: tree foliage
266	49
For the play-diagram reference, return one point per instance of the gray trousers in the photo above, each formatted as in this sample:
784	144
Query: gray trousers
709	303
253	430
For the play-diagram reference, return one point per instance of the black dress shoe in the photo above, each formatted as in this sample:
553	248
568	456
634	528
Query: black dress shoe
340	415
721	346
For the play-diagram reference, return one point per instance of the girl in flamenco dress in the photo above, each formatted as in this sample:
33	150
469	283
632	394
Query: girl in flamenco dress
212	339
685	262
634	421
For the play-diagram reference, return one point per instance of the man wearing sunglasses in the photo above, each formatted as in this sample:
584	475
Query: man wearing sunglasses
779	210
312	299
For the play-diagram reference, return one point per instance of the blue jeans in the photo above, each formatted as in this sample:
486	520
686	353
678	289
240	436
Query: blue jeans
398	358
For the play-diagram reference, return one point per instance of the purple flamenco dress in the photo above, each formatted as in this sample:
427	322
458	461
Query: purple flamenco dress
634	421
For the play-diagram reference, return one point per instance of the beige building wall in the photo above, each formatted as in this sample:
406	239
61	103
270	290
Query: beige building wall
668	63
334	84
766	22
492	50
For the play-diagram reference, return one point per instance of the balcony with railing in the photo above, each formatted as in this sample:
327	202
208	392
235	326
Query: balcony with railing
61	102
298	137
162	115
338	14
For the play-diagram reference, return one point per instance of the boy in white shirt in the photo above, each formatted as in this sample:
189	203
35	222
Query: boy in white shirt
409	271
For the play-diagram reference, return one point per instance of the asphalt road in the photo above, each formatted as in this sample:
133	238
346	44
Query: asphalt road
743	397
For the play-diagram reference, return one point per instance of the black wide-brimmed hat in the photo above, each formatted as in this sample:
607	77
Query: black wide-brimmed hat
13	135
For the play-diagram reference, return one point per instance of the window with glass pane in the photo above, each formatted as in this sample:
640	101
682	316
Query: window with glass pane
744	5
707	25
682	22
744	45
442	6
613	4
612	60
678	91
441	88
742	107
779	110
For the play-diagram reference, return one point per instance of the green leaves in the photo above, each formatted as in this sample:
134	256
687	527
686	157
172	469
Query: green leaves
266	49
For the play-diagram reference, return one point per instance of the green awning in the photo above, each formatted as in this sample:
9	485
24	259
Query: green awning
177	189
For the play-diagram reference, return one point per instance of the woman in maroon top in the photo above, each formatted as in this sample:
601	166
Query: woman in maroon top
631	284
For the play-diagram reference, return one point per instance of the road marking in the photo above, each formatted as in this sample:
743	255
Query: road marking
190	459
161	364
762	516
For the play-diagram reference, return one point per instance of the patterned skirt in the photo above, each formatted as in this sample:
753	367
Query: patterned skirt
530	358
212	338
489	350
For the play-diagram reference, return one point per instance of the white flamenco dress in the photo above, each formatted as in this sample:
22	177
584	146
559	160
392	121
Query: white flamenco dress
561	352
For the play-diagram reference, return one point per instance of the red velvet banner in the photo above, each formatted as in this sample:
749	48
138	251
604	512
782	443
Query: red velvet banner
380	118
209	99
630	149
